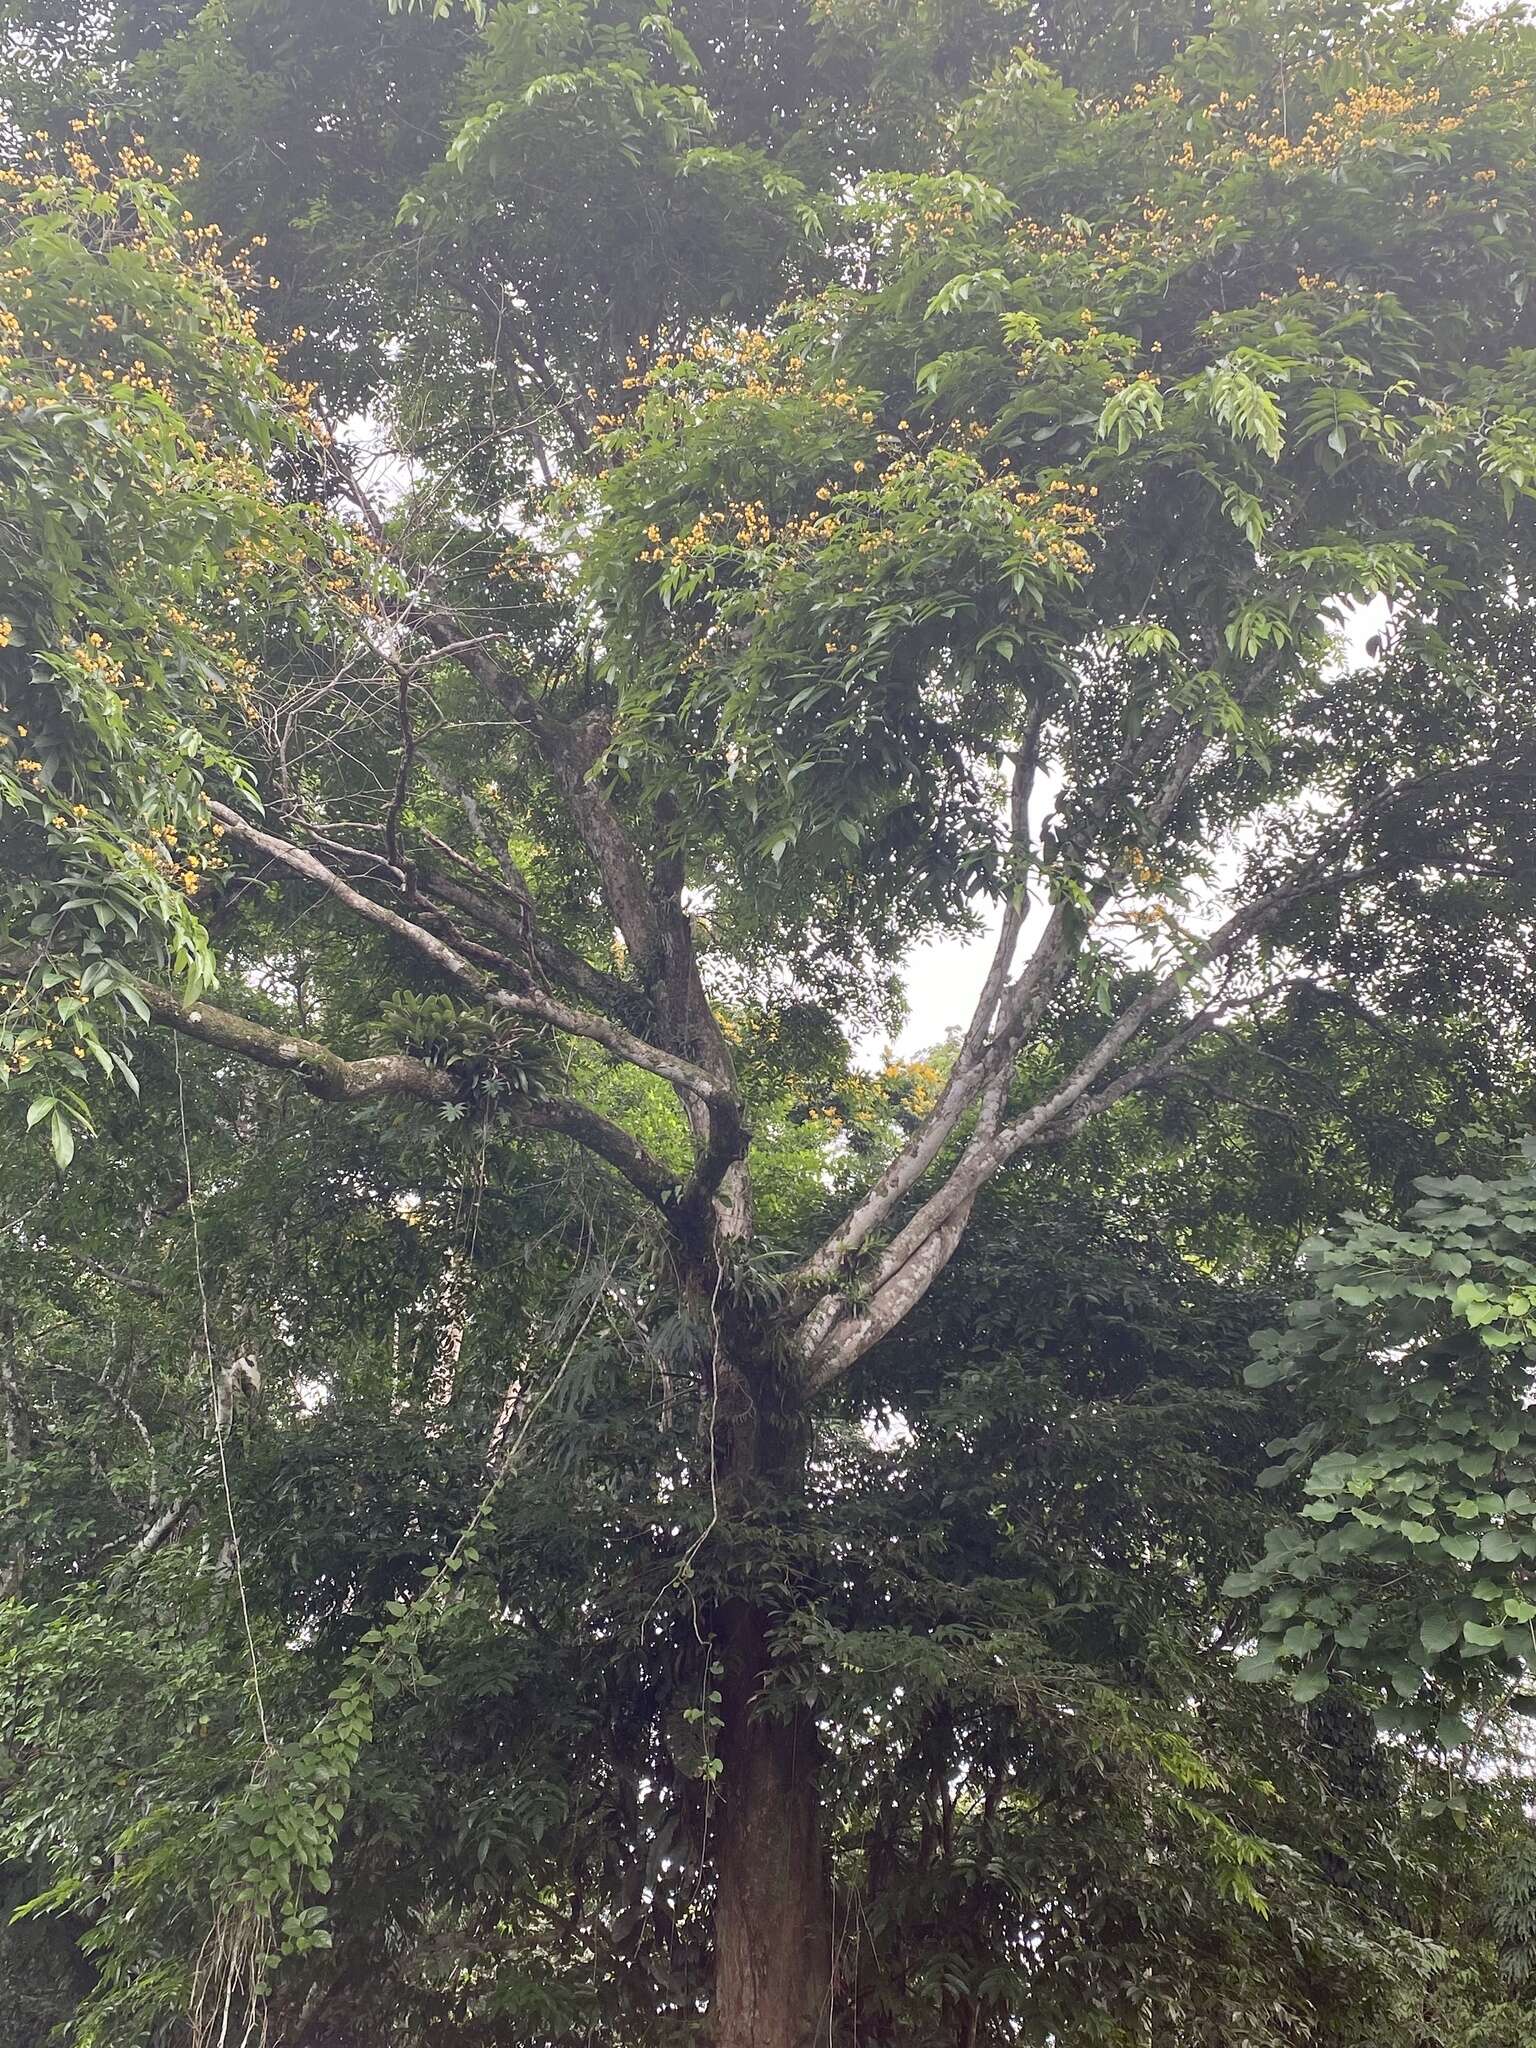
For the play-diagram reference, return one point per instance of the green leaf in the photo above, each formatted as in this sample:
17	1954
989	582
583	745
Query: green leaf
1481	1636
1451	1732
61	1137
1438	1633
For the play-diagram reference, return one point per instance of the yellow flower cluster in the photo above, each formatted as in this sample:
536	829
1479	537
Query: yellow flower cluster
1355	121
185	868
95	660
937	223
1144	93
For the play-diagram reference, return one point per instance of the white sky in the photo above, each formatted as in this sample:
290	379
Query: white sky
944	978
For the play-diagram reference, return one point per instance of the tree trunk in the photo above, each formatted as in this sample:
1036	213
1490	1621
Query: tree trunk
18	1450
773	1935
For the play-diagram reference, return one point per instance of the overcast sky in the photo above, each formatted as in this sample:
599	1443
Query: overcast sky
944	978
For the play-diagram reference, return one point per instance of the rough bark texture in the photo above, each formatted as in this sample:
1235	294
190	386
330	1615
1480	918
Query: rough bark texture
773	1944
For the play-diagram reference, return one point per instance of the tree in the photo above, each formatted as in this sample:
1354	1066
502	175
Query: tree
848	497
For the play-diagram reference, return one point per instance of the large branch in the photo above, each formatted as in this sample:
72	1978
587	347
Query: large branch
834	1334
332	1078
1007	1012
905	1279
324	1073
648	911
527	1001
609	1141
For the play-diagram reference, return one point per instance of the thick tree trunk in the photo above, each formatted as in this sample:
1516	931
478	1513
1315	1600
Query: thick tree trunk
773	1945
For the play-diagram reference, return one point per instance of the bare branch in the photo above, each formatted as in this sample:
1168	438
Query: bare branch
570	752
241	1375
79	1260
402	781
520	925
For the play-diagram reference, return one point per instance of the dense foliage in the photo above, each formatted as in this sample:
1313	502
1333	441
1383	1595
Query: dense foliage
1046	1797
550	1494
1417	1333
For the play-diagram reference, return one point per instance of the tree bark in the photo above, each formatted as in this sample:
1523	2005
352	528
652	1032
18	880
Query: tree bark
773	1928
